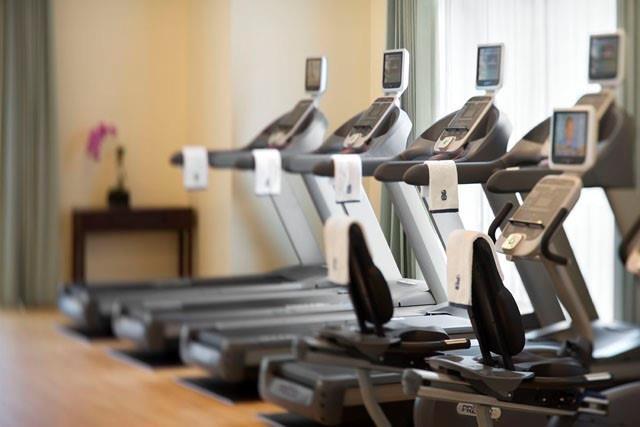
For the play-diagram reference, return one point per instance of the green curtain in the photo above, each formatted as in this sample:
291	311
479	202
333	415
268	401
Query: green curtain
412	24
28	157
628	291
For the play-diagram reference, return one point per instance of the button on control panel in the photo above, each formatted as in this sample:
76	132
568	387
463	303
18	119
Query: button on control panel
512	241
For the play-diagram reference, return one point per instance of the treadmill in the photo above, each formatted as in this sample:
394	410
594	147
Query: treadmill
232	352
380	132
89	306
526	234
476	134
282	380
615	345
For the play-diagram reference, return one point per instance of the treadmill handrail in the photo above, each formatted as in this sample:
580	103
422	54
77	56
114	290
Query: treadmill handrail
369	165
468	173
518	180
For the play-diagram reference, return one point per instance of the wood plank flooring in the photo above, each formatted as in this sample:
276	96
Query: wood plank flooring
47	378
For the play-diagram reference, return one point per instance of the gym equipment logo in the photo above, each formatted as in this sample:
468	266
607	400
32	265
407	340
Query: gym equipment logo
469	410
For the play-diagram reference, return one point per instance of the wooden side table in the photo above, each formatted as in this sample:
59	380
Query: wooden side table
178	220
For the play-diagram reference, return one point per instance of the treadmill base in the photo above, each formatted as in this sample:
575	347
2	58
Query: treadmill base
400	414
147	360
84	334
226	393
286	419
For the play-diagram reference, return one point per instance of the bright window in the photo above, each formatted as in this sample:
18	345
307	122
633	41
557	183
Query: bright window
546	66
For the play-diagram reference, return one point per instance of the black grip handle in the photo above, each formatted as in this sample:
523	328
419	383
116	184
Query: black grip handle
546	239
499	219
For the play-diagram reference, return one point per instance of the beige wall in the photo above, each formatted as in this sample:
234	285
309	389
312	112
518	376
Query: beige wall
378	43
125	62
210	121
206	72
270	40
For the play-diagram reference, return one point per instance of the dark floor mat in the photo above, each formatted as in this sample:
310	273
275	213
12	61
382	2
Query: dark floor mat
148	360
399	414
82	334
229	394
287	419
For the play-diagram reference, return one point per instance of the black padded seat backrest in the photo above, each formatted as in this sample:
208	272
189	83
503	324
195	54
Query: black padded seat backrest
494	313
368	289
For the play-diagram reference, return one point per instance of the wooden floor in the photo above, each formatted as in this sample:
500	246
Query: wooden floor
48	378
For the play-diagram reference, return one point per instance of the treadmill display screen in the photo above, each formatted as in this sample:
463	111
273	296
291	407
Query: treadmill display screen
313	74
488	66
392	75
569	137
603	57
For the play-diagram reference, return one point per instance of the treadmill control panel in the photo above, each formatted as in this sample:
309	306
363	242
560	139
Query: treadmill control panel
524	231
288	125
464	124
366	126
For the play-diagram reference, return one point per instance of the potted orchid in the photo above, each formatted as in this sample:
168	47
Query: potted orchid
118	196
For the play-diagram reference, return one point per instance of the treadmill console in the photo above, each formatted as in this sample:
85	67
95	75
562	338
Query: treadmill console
489	78
315	83
464	124
522	236
365	127
572	150
395	78
286	127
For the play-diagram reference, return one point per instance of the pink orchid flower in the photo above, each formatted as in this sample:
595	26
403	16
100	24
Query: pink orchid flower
97	137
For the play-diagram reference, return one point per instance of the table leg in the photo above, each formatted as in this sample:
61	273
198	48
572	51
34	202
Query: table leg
181	255
78	255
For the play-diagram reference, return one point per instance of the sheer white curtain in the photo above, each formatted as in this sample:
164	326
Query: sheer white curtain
546	66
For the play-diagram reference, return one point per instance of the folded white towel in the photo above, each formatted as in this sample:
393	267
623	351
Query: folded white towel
460	264
348	177
195	168
336	244
442	191
267	172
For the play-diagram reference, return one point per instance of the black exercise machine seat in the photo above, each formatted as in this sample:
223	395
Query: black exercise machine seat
370	294
373	305
497	324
